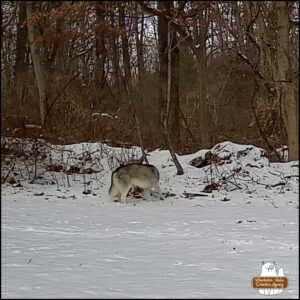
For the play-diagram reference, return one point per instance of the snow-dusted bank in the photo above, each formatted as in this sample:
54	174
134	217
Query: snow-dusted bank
63	238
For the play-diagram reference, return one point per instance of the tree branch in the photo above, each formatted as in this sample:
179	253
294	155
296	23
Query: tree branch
58	95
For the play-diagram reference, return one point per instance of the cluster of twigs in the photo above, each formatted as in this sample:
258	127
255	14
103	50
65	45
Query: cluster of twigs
222	176
36	161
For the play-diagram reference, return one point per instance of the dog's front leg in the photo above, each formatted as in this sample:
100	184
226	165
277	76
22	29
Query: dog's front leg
124	194
146	193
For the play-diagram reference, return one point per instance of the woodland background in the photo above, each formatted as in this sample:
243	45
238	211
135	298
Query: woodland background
175	74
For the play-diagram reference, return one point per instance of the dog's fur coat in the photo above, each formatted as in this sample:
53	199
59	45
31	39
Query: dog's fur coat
141	175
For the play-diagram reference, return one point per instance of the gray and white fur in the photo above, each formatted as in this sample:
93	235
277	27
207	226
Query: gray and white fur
141	175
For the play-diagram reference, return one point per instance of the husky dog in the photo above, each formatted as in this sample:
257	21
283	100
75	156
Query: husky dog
136	174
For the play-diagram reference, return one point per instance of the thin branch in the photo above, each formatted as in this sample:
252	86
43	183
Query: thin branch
137	122
187	126
58	95
9	171
249	63
257	122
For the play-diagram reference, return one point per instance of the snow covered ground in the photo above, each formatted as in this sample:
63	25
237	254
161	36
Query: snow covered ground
68	240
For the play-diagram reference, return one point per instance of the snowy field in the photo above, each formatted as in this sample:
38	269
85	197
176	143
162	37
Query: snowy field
62	237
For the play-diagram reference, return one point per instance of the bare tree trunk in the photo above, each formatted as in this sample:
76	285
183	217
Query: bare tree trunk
125	49
166	84
162	30
174	108
100	46
289	99
20	81
115	54
172	97
37	62
204	129
56	59
139	37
